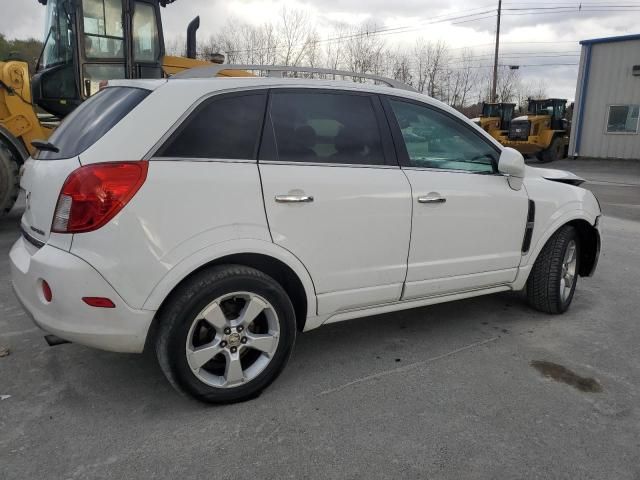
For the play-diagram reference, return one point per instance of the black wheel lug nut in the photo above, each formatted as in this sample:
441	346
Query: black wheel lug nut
234	349
240	328
227	331
223	344
243	340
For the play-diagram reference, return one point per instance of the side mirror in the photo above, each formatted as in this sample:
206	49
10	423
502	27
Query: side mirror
511	164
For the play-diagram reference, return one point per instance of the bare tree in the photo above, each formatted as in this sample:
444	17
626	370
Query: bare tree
297	35
401	68
460	80
431	61
176	46
364	51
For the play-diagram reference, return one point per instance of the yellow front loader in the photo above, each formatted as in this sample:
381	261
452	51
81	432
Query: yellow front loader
86	43
495	118
543	132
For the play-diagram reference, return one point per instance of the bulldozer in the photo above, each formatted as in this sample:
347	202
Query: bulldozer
543	132
86	43
495	118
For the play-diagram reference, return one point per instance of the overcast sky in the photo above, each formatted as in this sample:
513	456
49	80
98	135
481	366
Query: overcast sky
557	29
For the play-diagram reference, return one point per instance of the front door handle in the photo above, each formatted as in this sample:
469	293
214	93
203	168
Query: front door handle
432	198
294	198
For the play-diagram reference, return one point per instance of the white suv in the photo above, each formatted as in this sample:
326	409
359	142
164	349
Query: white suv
212	219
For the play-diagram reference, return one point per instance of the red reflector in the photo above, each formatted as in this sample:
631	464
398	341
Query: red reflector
100	302
94	194
46	291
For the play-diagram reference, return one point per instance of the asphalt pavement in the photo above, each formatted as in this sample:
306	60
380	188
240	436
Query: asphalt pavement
481	388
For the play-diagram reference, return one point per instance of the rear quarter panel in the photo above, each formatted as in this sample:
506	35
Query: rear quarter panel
183	207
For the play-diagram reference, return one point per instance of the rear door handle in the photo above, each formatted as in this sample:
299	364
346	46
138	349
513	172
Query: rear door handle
432	198
294	198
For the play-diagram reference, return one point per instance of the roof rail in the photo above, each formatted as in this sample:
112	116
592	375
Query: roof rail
279	71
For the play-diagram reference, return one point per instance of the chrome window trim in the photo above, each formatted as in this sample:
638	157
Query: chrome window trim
447	170
326	164
201	159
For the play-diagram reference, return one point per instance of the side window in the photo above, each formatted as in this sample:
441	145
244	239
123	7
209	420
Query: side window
325	128
227	127
146	46
436	140
623	119
103	33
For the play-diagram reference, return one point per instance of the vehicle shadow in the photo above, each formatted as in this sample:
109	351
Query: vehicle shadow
323	359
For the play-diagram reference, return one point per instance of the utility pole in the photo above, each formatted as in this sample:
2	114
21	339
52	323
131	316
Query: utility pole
494	87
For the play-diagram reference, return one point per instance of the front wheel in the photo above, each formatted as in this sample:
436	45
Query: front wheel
553	153
552	281
9	180
226	334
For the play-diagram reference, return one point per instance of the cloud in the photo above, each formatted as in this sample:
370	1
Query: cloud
423	18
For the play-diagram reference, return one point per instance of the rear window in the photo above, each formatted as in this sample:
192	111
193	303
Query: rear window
91	120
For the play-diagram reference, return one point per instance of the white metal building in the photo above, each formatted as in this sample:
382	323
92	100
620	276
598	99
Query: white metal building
607	108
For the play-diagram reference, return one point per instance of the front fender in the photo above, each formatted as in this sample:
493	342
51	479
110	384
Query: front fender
568	214
211	253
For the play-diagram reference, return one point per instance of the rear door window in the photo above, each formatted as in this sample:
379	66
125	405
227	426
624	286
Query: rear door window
91	120
226	127
324	127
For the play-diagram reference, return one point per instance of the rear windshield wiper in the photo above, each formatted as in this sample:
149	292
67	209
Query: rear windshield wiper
46	146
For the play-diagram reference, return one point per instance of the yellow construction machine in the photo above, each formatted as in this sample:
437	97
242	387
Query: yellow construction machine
495	118
86	42
543	132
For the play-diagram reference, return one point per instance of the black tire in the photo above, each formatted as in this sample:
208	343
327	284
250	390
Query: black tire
190	298
544	283
9	180
553	153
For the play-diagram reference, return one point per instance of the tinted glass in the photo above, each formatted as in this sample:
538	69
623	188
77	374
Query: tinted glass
436	140
325	127
92	120
227	127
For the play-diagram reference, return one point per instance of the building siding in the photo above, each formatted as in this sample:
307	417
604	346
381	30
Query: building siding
610	82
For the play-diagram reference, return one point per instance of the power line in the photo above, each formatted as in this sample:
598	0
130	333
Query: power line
383	31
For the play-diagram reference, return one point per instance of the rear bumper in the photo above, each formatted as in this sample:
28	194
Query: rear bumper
119	329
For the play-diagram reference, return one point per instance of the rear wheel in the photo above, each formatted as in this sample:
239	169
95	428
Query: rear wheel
553	153
554	276
226	334
9	180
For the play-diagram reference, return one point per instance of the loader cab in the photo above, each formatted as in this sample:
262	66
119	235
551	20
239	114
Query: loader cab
503	111
89	41
553	107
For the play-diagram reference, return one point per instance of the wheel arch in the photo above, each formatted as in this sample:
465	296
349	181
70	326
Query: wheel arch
587	233
270	259
589	246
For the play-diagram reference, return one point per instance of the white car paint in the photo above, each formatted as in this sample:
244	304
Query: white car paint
348	207
363	246
472	220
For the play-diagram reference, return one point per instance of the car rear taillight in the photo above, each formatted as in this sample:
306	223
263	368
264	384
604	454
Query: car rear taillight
92	195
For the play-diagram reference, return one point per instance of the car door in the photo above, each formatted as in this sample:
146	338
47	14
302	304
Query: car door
335	196
468	224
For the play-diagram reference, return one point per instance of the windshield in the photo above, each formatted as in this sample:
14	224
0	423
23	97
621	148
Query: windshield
58	37
547	107
490	110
